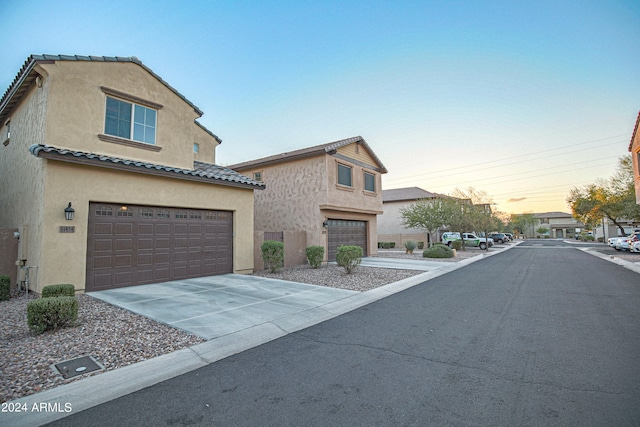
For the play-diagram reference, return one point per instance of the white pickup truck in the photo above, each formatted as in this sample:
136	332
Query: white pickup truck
469	239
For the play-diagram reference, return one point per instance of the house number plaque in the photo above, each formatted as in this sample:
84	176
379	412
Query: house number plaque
67	229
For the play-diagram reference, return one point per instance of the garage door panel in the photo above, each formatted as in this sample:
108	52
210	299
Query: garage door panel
139	245
161	243
162	229
102	228
123	278
123	261
145	259
145	229
346	232
123	244
102	262
103	245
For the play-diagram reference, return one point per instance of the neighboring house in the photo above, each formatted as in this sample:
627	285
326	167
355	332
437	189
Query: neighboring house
634	148
110	140
558	225
327	195
390	228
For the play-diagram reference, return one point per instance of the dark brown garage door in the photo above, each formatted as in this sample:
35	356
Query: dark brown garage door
135	245
346	233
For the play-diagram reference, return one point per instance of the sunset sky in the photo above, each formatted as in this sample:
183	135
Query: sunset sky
521	100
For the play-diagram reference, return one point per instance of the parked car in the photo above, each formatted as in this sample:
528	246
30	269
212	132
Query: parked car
622	244
499	237
635	247
469	238
509	235
626	242
611	241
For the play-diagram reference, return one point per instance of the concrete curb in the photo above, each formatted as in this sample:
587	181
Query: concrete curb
83	394
612	258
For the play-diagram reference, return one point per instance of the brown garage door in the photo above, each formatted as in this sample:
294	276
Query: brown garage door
343	232
134	245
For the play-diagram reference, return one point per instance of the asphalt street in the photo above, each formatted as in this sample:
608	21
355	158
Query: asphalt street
541	335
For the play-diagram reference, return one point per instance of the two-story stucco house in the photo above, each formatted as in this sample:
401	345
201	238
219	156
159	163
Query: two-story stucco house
558	225
107	141
327	195
634	148
390	228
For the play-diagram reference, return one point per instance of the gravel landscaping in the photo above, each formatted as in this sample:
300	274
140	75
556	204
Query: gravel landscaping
116	337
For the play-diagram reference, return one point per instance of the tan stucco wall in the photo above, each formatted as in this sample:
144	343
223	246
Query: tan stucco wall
22	183
293	193
64	259
77	106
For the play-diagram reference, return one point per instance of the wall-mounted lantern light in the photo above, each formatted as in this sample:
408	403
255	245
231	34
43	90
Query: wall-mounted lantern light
68	212
325	224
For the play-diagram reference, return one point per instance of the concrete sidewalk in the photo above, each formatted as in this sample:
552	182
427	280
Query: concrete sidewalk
92	391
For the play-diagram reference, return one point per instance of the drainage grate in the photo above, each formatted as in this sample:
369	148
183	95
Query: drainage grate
79	366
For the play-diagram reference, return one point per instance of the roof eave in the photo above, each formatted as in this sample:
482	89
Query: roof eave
70	158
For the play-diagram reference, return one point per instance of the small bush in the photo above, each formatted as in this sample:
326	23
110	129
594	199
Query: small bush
45	314
386	245
315	255
456	244
393	244
438	251
273	255
410	245
420	245
5	288
349	257
64	290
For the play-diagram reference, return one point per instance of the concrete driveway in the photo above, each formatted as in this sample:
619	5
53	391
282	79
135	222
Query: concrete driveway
211	307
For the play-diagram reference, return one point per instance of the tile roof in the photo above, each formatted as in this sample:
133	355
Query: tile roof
552	215
26	76
316	150
204	172
408	193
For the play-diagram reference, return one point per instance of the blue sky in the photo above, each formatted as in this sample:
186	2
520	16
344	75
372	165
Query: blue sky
521	100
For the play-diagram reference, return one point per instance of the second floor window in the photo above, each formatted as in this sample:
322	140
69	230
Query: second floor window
130	121
369	182
344	175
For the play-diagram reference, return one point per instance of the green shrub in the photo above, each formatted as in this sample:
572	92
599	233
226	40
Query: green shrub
456	244
349	257
45	314
410	245
420	245
386	245
393	244
63	290
5	288
273	255
315	255
438	251
379	245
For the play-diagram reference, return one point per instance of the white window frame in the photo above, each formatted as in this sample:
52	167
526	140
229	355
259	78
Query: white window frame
132	129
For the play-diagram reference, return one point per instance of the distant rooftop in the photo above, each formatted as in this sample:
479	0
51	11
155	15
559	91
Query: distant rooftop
408	193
